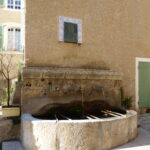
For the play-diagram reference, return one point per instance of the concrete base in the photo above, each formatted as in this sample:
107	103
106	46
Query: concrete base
10	112
95	134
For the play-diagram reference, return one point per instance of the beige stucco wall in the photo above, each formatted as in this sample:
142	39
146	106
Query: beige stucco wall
7	16
114	33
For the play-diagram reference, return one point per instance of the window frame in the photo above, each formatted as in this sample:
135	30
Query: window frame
62	20
14	39
12	9
6	27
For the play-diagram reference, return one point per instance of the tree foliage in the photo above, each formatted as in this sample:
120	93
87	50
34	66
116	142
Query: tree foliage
6	69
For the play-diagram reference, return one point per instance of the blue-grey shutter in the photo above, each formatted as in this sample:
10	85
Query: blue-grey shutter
1	37
70	32
1	3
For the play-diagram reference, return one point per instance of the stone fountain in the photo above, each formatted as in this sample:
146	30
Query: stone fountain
74	109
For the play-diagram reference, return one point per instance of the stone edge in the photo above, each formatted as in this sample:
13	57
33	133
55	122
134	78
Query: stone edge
70	73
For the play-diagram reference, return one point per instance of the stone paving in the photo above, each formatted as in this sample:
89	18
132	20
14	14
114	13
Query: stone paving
144	121
13	145
142	142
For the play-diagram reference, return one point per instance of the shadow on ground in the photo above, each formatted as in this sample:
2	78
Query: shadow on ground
142	142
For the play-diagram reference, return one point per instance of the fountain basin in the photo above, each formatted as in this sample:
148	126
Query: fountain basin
91	134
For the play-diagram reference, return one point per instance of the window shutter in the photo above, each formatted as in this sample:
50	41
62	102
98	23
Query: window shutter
1	37
70	32
1	3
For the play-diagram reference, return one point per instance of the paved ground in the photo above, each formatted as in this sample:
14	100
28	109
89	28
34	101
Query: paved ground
144	121
13	145
142	142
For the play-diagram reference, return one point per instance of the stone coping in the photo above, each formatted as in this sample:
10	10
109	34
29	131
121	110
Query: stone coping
93	134
70	73
129	114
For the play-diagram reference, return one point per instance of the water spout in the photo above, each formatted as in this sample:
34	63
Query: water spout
82	92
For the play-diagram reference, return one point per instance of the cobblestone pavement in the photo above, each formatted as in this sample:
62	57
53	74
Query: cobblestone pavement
144	121
142	142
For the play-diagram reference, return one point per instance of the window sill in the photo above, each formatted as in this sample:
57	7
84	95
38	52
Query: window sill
15	10
78	43
11	52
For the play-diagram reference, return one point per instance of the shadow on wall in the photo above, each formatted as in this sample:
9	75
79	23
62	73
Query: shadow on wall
96	65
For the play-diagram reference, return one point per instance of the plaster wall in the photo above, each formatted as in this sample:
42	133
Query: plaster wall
9	16
114	33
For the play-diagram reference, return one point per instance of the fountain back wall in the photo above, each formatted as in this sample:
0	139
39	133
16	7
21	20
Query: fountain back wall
45	88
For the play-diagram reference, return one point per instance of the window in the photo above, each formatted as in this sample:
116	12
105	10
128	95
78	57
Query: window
70	30
14	4
14	39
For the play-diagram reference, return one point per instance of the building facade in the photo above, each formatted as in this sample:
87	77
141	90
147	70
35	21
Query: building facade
100	34
10	25
11	38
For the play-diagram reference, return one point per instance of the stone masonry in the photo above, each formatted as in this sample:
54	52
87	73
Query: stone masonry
43	88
